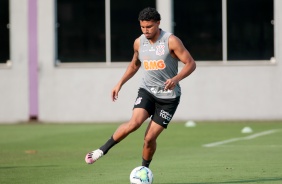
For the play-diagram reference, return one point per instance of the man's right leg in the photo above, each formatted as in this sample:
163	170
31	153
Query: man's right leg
138	117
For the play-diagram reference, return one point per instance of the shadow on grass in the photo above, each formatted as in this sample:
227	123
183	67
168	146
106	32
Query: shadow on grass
235	181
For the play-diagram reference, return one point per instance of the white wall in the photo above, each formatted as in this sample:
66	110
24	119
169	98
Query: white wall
82	94
14	79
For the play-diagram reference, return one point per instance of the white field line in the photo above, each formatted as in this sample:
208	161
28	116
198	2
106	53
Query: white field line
240	138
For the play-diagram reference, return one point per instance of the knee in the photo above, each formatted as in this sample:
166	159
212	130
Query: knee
132	126
149	141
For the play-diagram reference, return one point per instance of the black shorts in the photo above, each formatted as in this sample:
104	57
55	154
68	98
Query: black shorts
160	110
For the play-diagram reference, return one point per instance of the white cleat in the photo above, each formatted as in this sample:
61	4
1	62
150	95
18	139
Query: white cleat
93	156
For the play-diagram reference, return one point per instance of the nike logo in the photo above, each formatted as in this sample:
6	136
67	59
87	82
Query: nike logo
165	123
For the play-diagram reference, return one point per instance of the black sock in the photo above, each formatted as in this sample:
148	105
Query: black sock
146	163
108	145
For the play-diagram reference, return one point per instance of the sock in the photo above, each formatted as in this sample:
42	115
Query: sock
146	163
108	145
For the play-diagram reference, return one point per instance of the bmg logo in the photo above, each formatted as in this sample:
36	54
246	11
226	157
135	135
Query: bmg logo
154	65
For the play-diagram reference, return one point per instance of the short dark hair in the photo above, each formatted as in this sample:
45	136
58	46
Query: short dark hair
148	14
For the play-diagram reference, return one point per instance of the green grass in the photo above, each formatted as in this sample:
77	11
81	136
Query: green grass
54	153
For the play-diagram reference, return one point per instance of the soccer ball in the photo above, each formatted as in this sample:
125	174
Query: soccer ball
141	175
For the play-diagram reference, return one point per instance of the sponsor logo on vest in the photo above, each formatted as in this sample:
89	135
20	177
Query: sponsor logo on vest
160	91
152	49
146	43
154	65
165	115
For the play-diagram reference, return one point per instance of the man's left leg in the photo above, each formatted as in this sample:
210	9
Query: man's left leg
150	142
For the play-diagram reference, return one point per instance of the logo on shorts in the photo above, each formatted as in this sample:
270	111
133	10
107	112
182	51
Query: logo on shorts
165	115
138	101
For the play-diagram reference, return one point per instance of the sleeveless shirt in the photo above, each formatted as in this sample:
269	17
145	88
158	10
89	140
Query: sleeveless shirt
158	65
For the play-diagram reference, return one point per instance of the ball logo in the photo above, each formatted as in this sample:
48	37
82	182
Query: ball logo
142	175
154	65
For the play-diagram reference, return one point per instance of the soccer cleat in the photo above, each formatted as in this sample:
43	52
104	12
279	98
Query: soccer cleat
93	156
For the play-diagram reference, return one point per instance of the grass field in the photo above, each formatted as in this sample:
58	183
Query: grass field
54	153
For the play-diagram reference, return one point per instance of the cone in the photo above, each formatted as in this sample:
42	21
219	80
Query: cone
246	130
190	124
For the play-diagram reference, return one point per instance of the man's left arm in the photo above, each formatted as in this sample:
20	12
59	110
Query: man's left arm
179	51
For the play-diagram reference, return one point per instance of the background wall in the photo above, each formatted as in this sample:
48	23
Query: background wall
14	79
69	93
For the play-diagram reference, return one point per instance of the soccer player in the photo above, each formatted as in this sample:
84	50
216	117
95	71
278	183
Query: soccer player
157	52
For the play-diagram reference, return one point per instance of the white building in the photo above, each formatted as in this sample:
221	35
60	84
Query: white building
34	85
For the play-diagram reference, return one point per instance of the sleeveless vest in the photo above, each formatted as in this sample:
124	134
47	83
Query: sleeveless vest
158	65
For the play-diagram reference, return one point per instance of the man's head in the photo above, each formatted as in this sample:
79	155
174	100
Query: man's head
148	14
149	19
